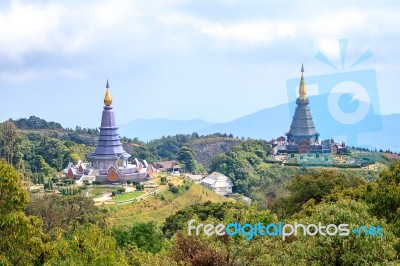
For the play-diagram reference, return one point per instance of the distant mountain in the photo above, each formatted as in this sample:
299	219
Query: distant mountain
148	129
386	138
275	121
265	124
380	131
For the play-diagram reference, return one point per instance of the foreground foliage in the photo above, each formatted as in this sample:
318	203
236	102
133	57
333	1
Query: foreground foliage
22	241
70	230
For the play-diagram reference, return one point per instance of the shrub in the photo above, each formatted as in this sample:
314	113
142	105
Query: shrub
163	180
83	188
120	190
174	189
69	181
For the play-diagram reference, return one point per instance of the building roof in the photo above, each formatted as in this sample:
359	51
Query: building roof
302	127
109	142
218	180
167	165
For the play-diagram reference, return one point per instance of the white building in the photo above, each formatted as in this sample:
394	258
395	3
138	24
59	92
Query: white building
217	182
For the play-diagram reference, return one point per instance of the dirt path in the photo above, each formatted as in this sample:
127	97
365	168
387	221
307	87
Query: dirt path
105	197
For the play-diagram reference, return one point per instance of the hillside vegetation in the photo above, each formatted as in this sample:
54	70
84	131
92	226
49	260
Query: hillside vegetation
65	229
37	154
69	230
41	149
158	208
205	148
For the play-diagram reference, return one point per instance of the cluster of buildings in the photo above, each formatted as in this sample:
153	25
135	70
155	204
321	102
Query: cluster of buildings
302	136
109	163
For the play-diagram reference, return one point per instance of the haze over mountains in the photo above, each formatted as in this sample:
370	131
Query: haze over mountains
373	131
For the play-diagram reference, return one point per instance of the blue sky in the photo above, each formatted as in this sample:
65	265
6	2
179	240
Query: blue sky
213	60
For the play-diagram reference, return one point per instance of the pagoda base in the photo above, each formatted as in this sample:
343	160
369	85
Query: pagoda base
136	177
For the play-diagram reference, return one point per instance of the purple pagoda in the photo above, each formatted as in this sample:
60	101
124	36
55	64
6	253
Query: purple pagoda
109	158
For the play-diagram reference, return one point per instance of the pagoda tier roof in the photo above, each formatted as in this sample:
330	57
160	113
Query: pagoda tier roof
109	145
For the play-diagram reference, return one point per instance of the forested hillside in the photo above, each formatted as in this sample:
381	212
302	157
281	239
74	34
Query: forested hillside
68	229
41	149
37	147
38	153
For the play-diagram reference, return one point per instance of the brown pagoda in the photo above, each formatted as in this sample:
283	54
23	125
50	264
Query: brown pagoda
302	130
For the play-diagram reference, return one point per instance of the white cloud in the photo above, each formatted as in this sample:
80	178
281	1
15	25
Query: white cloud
26	28
66	27
31	74
252	32
18	76
83	32
247	31
335	23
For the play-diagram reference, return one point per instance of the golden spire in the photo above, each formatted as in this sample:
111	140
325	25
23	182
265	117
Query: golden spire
107	98
302	88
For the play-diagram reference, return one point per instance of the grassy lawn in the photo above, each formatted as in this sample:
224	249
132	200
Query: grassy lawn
311	158
127	196
98	191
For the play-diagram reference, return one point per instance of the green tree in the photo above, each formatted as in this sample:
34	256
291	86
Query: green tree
22	241
242	165
382	195
186	157
143	235
74	157
337	250
314	184
67	213
88	245
44	167
224	250
203	211
52	151
8	139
